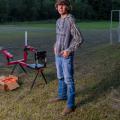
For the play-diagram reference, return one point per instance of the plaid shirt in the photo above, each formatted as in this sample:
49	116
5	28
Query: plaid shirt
68	37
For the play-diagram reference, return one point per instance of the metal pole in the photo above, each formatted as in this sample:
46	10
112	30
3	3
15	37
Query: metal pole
111	29
119	28
25	38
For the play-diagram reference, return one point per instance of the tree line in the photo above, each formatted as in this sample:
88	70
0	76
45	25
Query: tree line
34	10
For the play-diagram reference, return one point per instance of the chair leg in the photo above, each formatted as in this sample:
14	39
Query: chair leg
23	68
43	77
13	69
34	80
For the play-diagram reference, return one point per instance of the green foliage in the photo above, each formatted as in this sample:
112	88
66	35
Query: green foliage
34	10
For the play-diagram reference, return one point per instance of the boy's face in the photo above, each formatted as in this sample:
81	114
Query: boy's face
62	9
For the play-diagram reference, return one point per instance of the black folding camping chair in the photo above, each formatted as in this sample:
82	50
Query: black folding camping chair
39	65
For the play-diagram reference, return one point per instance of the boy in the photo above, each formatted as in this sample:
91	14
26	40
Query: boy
68	38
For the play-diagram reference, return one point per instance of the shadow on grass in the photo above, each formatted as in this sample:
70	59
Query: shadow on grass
31	74
110	80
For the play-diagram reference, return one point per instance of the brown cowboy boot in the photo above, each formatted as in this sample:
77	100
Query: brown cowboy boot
67	111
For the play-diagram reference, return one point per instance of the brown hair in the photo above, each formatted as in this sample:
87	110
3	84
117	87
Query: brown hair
64	2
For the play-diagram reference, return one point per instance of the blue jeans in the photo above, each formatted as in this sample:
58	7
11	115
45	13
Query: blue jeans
66	86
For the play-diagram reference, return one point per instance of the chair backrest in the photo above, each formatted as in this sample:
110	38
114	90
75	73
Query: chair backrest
41	57
28	49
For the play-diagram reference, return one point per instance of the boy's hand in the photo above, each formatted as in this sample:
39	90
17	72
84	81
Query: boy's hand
65	54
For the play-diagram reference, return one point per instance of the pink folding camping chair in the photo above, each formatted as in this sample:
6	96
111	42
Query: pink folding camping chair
9	57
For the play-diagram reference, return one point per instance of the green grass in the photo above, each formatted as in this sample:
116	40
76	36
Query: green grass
51	24
96	25
95	91
95	97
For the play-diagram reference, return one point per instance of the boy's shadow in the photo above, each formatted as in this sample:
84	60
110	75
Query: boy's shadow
110	80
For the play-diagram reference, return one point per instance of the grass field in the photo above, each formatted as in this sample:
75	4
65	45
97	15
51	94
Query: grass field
97	77
51	24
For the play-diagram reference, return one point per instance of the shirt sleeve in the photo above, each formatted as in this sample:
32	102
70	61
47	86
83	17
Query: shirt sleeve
56	33
77	38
